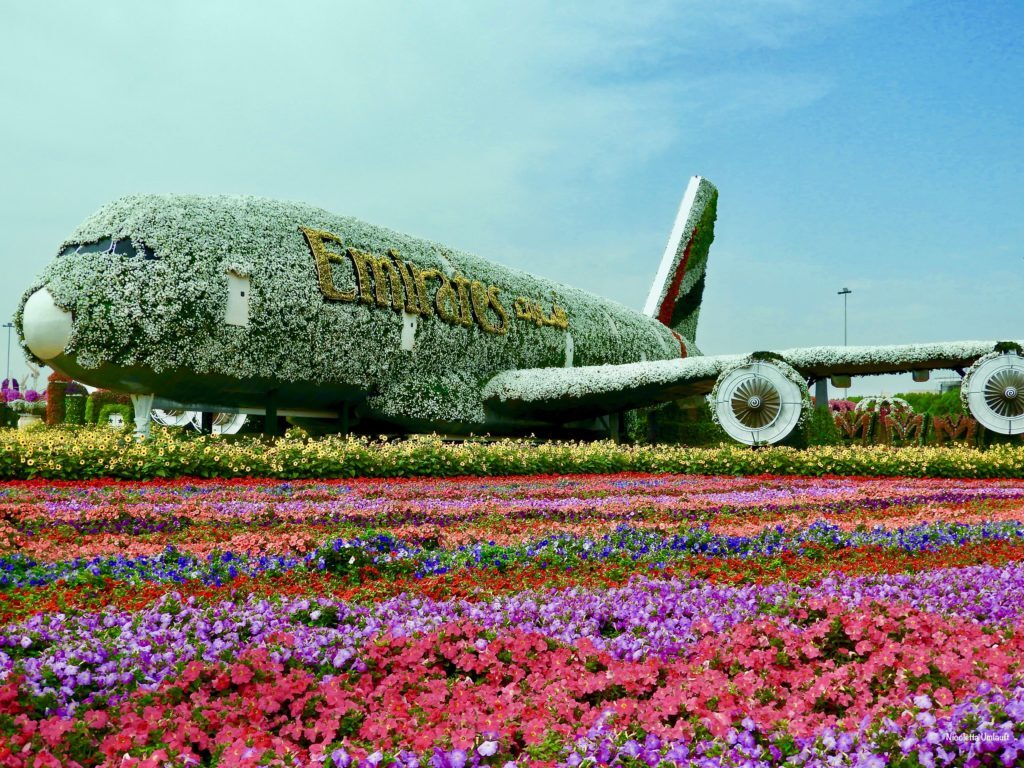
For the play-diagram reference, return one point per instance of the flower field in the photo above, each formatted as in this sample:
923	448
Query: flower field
627	619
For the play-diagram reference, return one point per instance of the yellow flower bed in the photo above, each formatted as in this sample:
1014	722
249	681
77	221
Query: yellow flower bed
76	454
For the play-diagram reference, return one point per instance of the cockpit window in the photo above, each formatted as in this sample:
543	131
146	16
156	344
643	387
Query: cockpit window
122	247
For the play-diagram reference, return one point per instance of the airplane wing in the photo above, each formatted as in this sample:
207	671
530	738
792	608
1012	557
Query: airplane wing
592	390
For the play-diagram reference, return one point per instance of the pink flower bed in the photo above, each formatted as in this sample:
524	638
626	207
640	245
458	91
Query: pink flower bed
646	670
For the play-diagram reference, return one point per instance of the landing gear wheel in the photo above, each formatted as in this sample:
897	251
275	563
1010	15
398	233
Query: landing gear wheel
757	403
994	391
223	423
172	418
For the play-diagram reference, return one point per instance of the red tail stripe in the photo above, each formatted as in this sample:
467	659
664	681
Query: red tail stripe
682	344
669	302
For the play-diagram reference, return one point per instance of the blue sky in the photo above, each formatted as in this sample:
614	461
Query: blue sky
875	145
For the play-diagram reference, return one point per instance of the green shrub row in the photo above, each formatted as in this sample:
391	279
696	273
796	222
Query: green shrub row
688	422
77	454
685	422
934	403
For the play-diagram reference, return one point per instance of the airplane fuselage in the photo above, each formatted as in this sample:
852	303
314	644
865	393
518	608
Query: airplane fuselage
242	302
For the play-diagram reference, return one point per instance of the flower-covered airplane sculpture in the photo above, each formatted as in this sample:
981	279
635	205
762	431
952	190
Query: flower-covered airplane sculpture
240	304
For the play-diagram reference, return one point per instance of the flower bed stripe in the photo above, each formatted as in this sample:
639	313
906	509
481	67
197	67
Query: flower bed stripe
535	620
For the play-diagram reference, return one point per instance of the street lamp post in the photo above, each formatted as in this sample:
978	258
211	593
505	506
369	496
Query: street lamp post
844	293
8	326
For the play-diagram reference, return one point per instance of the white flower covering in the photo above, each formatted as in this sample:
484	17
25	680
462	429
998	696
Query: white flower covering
167	313
896	358
545	385
874	403
705	194
538	386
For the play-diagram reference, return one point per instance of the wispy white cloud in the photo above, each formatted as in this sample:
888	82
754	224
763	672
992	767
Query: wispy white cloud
464	122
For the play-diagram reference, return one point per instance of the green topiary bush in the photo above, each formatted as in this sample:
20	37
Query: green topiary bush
74	409
637	423
102	397
110	409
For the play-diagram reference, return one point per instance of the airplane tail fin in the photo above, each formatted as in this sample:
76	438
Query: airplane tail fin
678	287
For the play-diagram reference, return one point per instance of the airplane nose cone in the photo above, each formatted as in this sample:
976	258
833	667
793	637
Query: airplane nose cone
46	326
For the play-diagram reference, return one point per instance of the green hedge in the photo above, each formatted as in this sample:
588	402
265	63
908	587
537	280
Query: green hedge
819	429
74	409
90	453
102	397
688	422
683	422
935	403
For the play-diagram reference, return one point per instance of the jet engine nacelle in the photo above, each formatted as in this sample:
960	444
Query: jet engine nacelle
993	390
759	402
